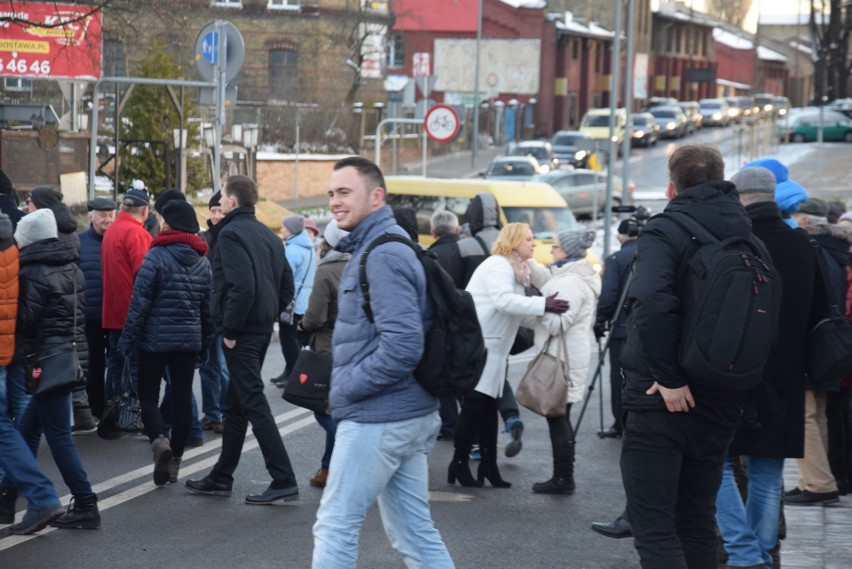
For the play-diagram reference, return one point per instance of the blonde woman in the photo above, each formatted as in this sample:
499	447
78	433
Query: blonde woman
574	279
498	289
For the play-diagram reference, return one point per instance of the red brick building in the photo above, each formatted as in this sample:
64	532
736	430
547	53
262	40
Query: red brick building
684	55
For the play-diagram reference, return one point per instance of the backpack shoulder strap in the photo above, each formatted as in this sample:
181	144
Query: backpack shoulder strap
362	265
483	245
690	225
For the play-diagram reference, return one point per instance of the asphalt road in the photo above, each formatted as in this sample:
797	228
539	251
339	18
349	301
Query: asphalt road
145	526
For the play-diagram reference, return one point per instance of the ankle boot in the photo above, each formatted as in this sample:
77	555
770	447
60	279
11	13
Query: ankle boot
82	513
8	498
488	469
556	485
459	469
162	451
174	468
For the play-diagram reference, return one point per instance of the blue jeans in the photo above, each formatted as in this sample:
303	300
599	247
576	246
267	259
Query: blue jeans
214	381
17	396
329	425
16	459
384	461
52	416
750	529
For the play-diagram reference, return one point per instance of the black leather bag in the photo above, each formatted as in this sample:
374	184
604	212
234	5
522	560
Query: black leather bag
310	381
123	414
56	370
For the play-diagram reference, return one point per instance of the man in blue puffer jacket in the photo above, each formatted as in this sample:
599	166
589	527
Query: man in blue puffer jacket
101	215
387	422
300	254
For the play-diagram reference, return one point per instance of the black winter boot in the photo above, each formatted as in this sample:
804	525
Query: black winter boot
8	497
555	486
82	513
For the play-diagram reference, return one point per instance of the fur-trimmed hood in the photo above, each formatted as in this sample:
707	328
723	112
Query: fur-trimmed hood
843	232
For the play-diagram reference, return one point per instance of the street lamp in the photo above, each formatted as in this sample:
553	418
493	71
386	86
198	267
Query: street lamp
250	134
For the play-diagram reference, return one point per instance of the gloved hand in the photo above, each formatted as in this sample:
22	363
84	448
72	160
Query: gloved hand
599	329
552	304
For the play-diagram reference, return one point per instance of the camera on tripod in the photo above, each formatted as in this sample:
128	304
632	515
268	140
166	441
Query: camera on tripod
633	224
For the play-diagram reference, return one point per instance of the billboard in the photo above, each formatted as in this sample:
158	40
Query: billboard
50	41
506	66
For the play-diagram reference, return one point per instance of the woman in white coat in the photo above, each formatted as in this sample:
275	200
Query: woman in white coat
573	279
497	287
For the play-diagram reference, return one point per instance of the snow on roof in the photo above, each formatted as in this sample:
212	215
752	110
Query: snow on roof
806	49
598	30
593	29
790	19
767	54
731	40
535	4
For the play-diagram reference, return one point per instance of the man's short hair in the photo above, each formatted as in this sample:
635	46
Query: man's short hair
132	209
243	189
444	222
694	164
368	170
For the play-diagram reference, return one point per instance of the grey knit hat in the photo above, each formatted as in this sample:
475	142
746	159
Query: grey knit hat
295	224
754	179
574	243
333	234
36	226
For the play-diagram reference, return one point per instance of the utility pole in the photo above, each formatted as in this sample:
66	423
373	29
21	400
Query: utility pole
628	103
615	64
474	143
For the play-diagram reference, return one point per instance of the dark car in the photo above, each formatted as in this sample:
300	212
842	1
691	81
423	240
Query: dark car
572	147
714	112
646	131
514	167
671	120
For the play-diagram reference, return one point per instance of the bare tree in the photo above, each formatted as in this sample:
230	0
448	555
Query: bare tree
831	25
731	11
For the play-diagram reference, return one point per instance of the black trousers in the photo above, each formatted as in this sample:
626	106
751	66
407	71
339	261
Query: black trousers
246	404
291	345
562	444
671	466
96	337
181	366
615	382
839	420
478	419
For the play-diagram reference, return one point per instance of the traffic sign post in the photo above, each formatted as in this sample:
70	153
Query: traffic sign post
441	123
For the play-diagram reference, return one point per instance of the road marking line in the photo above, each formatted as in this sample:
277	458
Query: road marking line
148	486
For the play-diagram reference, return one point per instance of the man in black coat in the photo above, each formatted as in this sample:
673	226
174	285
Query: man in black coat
252	283
676	430
776	430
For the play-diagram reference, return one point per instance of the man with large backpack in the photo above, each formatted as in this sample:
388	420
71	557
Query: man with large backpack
682	406
387	421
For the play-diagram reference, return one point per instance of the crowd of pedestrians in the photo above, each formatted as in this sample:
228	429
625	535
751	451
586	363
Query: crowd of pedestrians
147	297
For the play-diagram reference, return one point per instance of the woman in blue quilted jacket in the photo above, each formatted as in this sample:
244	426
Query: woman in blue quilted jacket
169	324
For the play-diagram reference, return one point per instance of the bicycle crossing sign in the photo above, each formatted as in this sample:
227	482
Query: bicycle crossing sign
441	123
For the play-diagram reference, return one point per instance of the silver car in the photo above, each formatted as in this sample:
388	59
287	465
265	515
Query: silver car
584	190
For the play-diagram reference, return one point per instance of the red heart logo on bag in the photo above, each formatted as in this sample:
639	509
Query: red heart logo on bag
303	377
36	372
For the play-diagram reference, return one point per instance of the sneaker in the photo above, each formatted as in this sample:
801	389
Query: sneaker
475	453
279	379
515	428
272	496
36	520
208	487
83	421
806	498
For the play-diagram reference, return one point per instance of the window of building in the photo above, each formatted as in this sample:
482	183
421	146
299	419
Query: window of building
228	3
598	57
283	4
283	74
575	49
18	84
396	51
114	61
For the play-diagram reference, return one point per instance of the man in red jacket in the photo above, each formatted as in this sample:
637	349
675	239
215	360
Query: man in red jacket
125	243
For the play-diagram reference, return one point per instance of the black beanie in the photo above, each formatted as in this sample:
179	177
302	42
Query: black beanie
166	197
6	186
45	196
180	215
407	219
215	200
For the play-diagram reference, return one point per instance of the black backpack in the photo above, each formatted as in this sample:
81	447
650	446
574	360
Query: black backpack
454	351
729	309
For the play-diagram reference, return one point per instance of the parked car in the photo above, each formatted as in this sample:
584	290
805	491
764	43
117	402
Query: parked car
584	190
782	106
804	127
646	131
735	109
572	147
671	120
660	102
514	167
540	150
693	115
714	112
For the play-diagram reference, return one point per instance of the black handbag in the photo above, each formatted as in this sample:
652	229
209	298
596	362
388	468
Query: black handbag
123	414
830	341
55	369
310	381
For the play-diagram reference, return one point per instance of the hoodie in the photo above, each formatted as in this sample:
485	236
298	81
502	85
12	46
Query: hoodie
483	218
302	258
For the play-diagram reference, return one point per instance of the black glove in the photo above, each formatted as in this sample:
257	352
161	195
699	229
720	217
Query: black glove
599	329
552	304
